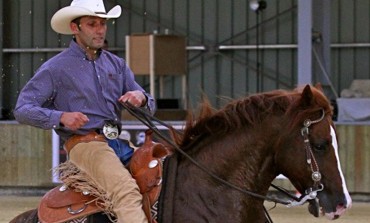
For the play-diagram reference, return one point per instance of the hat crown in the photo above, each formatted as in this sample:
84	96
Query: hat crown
60	22
96	6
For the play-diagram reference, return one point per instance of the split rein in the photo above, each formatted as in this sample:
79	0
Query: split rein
147	119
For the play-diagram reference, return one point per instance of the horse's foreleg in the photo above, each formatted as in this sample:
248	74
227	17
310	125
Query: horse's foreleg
26	217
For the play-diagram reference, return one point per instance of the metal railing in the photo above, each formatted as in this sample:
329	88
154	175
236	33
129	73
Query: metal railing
196	48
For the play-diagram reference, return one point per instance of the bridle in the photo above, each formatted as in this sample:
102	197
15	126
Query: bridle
316	175
310	193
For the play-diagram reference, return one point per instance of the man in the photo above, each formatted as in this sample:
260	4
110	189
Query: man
78	93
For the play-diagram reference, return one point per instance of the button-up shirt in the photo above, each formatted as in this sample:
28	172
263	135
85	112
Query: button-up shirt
70	82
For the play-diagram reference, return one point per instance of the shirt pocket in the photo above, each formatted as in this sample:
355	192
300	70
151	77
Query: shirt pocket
115	84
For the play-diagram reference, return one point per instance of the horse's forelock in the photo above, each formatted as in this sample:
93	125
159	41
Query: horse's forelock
299	111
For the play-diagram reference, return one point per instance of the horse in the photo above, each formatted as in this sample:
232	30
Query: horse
223	164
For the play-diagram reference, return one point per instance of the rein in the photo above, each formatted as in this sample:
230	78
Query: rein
147	119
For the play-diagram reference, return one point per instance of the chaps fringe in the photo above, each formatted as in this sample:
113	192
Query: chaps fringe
75	178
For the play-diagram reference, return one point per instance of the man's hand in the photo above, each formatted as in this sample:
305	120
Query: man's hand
136	98
73	120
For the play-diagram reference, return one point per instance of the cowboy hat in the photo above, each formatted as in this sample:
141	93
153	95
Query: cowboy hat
61	19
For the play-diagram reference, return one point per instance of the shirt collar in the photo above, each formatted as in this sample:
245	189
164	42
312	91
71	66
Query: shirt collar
79	51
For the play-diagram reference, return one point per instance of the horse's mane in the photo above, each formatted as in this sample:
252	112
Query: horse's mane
247	112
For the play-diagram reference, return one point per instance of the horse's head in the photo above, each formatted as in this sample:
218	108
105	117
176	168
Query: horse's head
308	154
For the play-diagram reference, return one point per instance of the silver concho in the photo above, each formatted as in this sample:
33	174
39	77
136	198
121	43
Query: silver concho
316	176
153	164
110	131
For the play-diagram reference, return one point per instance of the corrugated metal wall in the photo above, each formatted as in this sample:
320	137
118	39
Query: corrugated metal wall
351	30
221	35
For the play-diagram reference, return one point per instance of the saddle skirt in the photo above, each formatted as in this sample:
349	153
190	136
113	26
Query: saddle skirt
146	167
63	204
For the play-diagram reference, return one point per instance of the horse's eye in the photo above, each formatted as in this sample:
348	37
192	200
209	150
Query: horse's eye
320	146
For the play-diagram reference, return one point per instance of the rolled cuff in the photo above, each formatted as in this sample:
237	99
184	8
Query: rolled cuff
150	103
55	119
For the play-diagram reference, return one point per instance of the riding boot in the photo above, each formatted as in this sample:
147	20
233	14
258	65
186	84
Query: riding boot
100	162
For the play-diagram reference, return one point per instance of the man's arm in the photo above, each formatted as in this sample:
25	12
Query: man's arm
133	86
35	101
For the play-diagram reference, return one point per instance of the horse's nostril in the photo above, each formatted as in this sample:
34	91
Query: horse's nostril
342	206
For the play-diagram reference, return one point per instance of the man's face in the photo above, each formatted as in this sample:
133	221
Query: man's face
91	32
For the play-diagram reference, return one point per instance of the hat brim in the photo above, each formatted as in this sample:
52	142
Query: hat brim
60	22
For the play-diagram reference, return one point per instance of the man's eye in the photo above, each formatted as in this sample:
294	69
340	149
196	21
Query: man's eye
96	24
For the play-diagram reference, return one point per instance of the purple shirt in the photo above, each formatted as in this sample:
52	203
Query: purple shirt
70	82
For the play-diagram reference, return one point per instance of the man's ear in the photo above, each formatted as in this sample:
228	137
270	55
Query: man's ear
74	27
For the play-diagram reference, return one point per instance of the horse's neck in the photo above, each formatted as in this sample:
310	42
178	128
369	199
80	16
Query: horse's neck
247	161
199	193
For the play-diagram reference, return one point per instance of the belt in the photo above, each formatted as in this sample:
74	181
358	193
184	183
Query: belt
74	140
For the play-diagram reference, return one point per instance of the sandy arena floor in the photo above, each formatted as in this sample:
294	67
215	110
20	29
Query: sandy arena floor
11	206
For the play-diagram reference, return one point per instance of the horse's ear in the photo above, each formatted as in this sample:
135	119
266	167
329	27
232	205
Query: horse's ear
307	96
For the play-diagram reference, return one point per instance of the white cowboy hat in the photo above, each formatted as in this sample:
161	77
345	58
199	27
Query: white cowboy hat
61	19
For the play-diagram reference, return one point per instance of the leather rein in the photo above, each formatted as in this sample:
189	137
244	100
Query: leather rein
311	193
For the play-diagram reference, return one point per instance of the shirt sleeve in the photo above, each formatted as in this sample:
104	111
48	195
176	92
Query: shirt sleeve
131	85
35	102
150	103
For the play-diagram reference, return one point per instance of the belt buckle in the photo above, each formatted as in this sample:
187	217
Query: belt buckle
110	131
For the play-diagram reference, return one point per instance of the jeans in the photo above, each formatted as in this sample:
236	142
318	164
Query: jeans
122	149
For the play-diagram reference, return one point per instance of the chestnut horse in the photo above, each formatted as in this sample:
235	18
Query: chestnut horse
223	165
